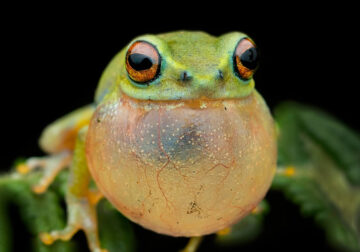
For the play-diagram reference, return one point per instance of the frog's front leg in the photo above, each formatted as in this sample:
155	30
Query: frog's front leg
81	201
58	139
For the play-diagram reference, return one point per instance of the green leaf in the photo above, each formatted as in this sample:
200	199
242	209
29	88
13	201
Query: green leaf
116	233
319	162
39	212
5	231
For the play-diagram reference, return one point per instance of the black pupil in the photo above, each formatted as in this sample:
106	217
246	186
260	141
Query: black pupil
250	58
140	61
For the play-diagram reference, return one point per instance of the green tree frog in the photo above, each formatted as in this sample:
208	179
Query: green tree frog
178	139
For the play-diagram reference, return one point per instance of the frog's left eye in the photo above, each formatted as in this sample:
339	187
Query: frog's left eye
245	58
142	62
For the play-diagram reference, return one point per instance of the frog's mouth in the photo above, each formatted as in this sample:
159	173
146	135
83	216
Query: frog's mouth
201	102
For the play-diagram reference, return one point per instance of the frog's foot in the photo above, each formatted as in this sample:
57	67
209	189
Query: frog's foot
81	215
193	244
51	165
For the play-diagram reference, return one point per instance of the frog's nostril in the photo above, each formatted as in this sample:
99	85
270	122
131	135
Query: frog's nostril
185	76
220	75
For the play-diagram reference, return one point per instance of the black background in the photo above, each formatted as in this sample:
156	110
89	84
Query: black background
53	59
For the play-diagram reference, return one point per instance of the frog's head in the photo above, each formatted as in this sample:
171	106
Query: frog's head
182	66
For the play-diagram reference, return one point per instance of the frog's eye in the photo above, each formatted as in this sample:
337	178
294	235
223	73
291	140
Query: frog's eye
245	58
142	62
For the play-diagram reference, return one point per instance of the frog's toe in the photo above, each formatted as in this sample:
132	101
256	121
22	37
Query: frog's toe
69	231
51	165
22	168
224	231
30	164
93	242
65	235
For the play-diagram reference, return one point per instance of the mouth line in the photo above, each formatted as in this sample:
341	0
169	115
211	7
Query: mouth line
183	100
198	103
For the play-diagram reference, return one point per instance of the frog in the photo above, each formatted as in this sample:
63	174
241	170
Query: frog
177	139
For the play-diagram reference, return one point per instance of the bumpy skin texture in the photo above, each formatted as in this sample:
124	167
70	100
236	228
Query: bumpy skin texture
183	168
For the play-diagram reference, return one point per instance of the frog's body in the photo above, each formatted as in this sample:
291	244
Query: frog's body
187	152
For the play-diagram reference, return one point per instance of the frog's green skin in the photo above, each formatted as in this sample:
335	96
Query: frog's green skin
202	56
207	60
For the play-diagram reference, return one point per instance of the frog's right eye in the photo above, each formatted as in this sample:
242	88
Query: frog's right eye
245	58
142	62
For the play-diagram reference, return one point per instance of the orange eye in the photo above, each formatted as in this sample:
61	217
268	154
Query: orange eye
142	62
245	59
